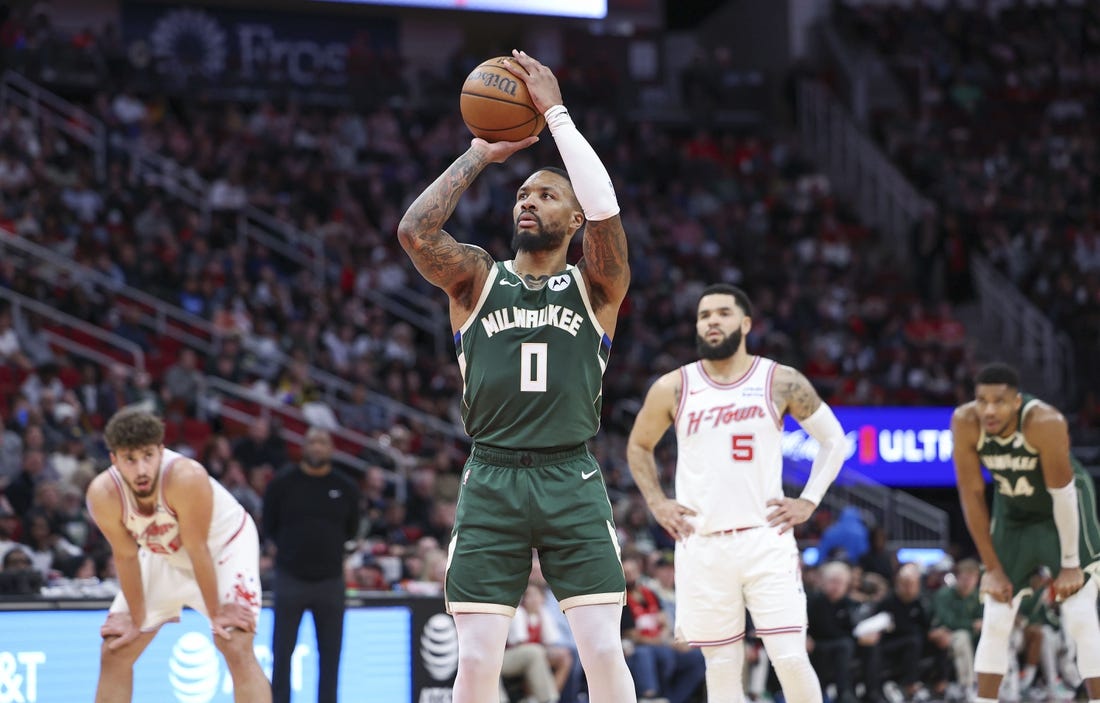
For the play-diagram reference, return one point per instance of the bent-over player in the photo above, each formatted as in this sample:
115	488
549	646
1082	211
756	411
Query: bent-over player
179	538
1044	514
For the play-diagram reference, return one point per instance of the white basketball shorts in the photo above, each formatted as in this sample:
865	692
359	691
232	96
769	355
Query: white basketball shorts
718	576
169	588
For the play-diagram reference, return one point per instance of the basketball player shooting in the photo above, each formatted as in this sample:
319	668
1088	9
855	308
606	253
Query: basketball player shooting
532	337
735	546
198	547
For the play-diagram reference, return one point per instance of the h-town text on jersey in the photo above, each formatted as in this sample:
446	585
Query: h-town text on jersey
722	415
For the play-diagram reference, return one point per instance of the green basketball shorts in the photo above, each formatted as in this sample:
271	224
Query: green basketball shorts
514	501
1024	547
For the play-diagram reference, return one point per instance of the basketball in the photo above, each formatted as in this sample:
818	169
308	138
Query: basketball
495	104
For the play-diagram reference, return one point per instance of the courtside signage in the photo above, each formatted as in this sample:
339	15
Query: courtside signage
48	656
593	9
895	446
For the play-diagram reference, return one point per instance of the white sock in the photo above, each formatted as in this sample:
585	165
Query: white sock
985	700
1027	676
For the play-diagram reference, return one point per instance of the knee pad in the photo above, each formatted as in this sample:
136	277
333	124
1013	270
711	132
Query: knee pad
998	621
1082	625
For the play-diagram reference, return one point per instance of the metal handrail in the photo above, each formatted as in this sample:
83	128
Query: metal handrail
270	404
882	195
165	312
19	302
1024	331
907	519
61	114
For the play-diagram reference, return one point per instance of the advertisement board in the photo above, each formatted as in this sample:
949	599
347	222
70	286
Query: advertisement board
261	50
895	446
402	652
594	9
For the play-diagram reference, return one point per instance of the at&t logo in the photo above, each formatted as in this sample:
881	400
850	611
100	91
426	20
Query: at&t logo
19	676
439	653
195	670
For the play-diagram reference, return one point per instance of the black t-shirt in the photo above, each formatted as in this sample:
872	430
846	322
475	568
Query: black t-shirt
309	518
829	621
911	618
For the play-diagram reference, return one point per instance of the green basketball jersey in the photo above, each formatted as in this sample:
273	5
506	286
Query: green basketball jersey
1021	494
532	363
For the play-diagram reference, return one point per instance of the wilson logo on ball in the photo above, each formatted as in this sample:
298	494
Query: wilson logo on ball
495	104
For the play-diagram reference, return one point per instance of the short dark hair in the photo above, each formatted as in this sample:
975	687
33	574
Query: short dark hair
739	296
132	428
559	171
996	374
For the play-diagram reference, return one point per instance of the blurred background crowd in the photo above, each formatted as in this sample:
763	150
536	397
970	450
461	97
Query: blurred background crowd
232	264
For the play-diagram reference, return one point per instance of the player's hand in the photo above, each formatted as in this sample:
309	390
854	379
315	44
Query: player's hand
1068	582
672	516
996	584
119	630
541	82
789	512
499	152
232	616
940	636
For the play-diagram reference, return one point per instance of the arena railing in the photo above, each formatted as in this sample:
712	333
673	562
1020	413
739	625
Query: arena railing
44	107
293	424
1019	330
68	328
908	520
200	334
857	168
294	245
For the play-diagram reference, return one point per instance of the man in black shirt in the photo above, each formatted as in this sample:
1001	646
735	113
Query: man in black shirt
310	511
831	618
903	647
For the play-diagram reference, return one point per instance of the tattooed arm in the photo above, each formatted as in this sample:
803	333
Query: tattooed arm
792	393
460	269
606	268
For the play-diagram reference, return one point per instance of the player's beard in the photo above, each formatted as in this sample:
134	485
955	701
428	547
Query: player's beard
541	239
722	350
147	493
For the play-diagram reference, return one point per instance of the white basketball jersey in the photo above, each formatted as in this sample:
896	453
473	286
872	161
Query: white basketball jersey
728	442
159	531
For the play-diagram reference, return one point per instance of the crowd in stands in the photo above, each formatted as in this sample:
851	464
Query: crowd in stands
699	206
998	131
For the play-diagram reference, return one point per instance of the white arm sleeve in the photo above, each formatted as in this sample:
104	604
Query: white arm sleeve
1067	522
823	426
591	181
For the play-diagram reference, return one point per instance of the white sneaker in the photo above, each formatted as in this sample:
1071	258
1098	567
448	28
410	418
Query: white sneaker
892	692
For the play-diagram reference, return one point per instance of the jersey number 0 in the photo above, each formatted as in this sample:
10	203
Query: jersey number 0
532	367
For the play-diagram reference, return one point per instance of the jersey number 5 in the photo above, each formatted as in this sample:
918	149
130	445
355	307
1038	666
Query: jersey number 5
741	447
532	367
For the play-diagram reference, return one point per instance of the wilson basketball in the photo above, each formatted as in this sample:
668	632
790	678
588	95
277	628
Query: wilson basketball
495	104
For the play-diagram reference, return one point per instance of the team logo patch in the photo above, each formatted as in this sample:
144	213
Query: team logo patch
560	282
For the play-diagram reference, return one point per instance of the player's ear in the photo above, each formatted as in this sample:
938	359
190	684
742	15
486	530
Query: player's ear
577	219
